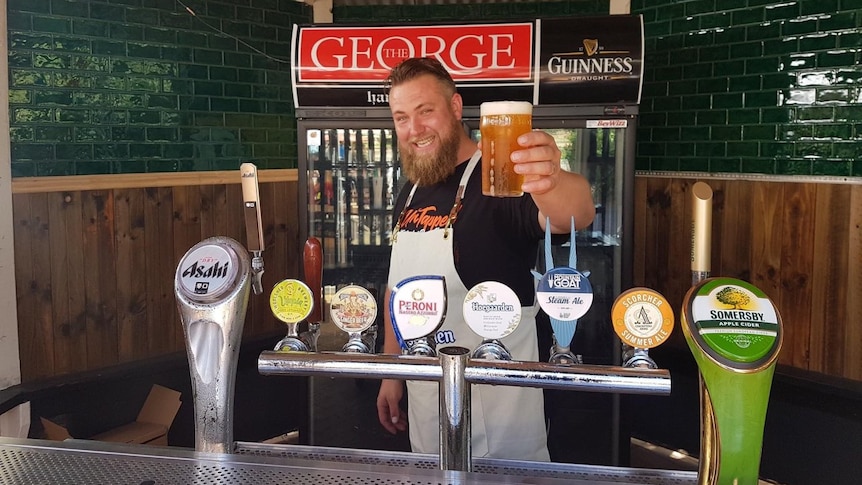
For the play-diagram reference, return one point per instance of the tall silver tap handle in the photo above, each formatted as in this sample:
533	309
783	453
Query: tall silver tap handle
212	287
253	224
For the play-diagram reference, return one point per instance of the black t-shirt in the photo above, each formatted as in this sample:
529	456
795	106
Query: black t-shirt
495	238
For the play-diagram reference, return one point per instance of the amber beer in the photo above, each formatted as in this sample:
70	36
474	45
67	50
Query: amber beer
502	122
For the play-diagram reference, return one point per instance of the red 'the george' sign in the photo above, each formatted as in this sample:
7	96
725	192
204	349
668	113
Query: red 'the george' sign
493	52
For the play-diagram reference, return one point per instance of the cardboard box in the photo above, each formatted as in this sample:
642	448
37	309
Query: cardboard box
151	427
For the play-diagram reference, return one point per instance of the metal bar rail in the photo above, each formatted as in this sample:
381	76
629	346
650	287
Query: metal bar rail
459	373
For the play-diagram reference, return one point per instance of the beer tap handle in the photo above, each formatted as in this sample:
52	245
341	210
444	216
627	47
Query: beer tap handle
312	260
701	232
253	224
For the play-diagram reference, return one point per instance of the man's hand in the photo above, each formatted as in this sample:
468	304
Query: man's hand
559	194
391	417
539	162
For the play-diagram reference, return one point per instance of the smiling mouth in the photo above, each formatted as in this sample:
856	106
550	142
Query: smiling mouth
424	142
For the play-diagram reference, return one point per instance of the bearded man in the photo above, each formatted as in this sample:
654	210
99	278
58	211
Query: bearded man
468	240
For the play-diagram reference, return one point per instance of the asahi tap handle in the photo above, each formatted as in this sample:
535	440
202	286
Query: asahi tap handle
312	260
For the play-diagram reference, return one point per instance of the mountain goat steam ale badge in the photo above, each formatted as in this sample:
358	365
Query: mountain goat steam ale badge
492	310
735	320
291	301
642	318
565	293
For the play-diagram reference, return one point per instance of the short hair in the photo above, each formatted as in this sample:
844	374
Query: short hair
414	67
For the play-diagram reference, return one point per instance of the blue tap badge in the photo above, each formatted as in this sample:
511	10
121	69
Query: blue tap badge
564	293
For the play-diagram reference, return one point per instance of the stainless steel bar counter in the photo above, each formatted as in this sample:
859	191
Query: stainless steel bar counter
73	462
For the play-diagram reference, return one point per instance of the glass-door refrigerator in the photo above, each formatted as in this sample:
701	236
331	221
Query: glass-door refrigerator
583	76
349	170
587	427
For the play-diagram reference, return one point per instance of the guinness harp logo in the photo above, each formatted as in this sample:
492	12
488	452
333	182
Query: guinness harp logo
591	46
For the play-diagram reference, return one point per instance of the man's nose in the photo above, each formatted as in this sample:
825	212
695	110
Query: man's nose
416	126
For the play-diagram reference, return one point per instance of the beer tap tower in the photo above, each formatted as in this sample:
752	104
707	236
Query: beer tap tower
565	294
734	333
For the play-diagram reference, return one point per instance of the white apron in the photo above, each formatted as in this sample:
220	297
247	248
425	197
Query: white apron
507	422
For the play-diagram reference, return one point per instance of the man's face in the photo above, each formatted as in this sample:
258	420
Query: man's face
427	123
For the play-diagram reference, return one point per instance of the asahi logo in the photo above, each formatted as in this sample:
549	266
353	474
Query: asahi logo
206	268
591	62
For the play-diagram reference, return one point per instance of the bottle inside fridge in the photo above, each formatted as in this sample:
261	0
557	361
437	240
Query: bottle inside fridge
352	174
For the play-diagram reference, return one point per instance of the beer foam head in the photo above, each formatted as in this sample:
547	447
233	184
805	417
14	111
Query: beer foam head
505	108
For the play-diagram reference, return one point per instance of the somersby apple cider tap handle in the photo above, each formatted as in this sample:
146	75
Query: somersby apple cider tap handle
253	225
701	232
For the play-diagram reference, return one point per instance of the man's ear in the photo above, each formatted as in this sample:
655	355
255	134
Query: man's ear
457	104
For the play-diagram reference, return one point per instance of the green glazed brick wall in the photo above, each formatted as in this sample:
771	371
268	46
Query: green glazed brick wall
467	11
752	86
122	86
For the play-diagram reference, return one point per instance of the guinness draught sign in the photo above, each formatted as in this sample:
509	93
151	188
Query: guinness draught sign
587	59
583	60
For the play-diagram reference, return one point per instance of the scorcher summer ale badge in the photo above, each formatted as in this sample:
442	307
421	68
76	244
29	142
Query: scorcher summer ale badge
642	318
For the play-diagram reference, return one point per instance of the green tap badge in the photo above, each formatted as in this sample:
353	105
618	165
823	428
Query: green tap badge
734	332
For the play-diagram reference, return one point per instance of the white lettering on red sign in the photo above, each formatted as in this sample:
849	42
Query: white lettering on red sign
469	52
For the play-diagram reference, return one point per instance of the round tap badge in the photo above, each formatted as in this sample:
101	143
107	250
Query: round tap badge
565	294
642	318
353	309
735	320
492	310
291	301
417	306
206	271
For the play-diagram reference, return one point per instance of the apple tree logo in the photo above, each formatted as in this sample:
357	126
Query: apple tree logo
735	297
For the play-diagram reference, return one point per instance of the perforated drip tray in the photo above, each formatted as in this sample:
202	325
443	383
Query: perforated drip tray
28	462
484	466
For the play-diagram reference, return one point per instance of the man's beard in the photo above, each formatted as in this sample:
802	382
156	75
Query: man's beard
432	168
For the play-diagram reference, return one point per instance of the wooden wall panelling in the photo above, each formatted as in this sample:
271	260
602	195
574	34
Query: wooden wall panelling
658	208
99	277
186	209
67	293
33	274
160	267
677	241
732	246
129	221
829	279
797	260
853	340
766	234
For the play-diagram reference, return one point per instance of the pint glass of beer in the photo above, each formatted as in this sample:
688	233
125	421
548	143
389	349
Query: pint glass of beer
502	122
